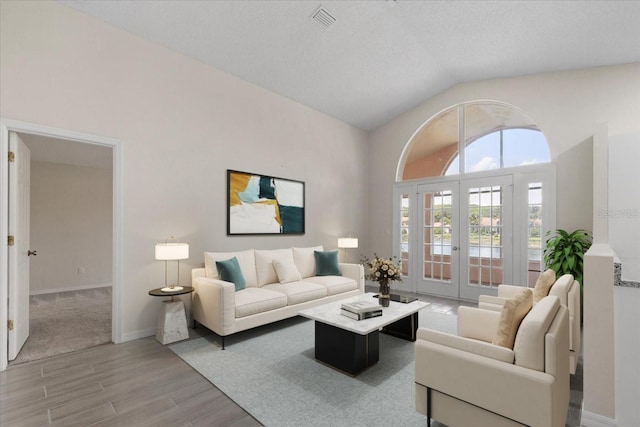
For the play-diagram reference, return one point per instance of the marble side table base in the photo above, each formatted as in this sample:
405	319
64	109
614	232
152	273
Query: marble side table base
172	322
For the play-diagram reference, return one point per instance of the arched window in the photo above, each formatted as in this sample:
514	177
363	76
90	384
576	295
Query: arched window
494	136
474	198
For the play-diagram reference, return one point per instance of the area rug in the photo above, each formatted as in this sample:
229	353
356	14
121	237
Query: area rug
66	321
271	373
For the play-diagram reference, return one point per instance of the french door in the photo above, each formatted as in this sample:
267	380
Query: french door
439	249
456	236
486	235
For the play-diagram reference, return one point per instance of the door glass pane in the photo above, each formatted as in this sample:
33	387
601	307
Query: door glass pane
437	236
485	264
534	234
404	235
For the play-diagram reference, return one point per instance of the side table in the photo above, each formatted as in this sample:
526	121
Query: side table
172	320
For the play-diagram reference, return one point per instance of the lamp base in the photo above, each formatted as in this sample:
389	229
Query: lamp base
175	288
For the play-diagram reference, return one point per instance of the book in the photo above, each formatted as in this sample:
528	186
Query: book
361	316
361	306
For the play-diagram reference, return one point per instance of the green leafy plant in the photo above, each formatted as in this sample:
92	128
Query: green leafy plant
564	252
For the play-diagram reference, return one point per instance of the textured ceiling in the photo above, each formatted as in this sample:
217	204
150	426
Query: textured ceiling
381	58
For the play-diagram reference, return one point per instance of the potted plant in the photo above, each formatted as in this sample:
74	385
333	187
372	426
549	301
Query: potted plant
564	252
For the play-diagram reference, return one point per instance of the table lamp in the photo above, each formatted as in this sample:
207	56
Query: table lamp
171	251
347	243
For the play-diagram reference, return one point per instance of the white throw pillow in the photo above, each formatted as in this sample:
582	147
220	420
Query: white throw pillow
265	272
286	270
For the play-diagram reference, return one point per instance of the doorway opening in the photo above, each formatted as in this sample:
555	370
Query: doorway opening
73	252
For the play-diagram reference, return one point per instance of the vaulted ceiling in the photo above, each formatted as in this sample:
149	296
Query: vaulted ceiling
365	62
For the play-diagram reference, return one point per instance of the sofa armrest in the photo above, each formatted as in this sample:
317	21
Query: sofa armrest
477	323
488	383
355	272
480	348
509	291
213	303
489	302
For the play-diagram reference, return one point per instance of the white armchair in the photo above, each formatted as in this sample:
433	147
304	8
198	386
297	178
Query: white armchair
464	380
565	288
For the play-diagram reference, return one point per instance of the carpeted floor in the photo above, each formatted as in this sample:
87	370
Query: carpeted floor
271	372
66	321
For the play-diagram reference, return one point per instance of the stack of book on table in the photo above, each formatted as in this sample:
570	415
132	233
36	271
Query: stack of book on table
360	310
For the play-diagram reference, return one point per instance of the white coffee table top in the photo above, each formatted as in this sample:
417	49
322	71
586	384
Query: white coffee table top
330	314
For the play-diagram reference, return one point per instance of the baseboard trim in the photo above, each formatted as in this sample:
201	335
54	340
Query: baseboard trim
589	419
70	289
136	335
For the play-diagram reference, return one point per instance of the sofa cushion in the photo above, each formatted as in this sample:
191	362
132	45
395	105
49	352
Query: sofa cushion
305	260
513	311
246	260
286	270
229	271
543	284
299	292
327	263
530	341
334	284
257	300
265	272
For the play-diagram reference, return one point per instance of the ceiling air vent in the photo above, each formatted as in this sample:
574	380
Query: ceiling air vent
323	17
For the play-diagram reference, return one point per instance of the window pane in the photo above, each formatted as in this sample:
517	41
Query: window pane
437	235
524	147
483	153
404	234
534	235
433	148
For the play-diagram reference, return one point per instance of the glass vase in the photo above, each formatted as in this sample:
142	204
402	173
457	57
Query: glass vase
384	294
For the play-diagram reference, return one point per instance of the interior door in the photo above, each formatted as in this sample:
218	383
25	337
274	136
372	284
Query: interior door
19	217
437	267
486	234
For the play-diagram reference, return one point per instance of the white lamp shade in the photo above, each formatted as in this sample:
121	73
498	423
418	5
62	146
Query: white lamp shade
172	251
347	242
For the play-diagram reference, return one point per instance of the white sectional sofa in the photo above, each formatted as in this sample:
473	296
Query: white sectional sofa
269	294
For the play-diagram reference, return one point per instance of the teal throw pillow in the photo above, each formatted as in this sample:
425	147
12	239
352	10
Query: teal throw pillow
229	271
327	263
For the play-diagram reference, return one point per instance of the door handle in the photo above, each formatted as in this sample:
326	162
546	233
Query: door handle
34	253
454	248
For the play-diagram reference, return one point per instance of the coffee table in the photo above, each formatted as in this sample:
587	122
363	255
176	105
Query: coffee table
351	346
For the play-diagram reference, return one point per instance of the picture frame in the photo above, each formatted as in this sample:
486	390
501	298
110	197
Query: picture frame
264	205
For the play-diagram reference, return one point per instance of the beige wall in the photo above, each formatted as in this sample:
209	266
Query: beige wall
71	227
182	125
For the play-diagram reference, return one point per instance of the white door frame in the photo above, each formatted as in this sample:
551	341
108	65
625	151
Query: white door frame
9	125
522	175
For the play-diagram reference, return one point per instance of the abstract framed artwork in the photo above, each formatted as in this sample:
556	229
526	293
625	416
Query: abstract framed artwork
261	204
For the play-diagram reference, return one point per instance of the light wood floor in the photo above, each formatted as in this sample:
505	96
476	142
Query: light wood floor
141	383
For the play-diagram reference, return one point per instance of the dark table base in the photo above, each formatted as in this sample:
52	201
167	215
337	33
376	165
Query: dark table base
352	353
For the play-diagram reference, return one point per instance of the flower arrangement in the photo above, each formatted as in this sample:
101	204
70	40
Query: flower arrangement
382	270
